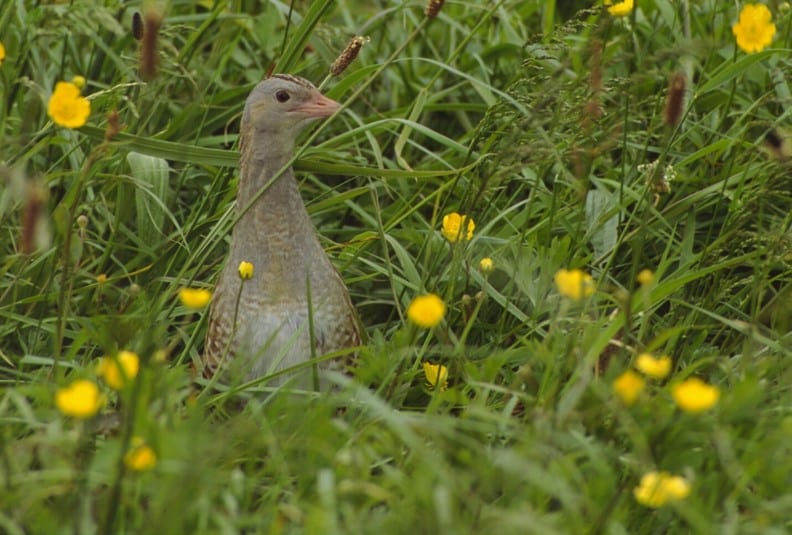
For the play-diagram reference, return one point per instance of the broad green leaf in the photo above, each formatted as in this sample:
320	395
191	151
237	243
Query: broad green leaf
602	221
151	194
732	70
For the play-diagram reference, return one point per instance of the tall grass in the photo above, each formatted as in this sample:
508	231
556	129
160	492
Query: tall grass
544	123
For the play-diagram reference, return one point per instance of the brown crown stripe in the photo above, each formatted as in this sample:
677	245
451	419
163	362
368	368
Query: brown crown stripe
295	79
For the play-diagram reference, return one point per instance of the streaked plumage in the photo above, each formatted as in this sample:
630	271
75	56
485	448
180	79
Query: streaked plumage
277	236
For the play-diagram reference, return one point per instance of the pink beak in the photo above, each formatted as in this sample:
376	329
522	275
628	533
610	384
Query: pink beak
319	106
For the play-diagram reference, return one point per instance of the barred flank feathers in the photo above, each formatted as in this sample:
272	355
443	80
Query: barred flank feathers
433	7
675	99
137	26
152	20
348	55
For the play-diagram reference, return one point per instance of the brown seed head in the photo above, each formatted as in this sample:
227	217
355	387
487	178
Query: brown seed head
152	20
137	26
592	110
595	64
32	215
348	55
113	125
675	99
433	7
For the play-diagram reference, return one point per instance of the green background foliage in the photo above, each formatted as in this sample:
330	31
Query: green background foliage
546	124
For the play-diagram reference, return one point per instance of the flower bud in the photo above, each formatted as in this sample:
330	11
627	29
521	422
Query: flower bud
79	81
245	270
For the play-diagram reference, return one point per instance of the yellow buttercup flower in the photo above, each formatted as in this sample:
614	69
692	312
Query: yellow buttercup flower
574	283
657	368
195	298
2	53
245	270
619	9
486	265
659	488
645	277
140	456
436	374
81	399
628	386
117	371
755	30
66	107
457	227
426	310
694	395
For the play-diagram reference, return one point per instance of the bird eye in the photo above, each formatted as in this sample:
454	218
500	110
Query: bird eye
282	96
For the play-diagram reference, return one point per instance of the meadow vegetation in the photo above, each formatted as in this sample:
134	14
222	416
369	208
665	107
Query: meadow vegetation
566	226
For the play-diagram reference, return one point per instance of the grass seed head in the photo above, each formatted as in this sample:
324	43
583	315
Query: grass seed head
33	213
113	125
348	55
595	64
675	99
137	26
433	7
152	20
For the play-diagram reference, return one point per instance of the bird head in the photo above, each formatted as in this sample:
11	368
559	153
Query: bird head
284	104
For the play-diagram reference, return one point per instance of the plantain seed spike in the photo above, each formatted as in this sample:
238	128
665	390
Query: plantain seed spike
433	7
348	55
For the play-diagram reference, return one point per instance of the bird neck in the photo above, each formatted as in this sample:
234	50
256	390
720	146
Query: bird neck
275	233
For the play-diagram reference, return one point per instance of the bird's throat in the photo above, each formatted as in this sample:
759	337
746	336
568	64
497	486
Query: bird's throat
275	232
